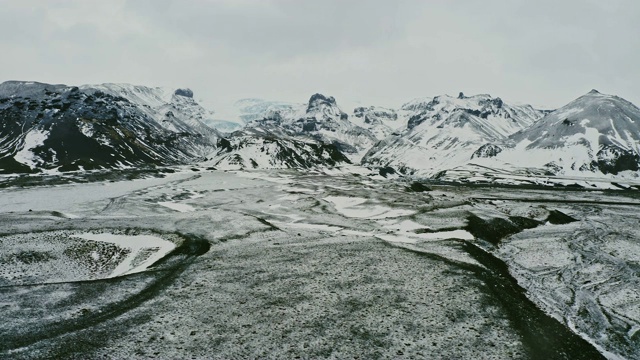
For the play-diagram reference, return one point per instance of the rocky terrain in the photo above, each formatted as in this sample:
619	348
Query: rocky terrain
316	265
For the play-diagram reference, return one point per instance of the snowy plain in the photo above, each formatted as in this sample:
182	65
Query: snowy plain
317	266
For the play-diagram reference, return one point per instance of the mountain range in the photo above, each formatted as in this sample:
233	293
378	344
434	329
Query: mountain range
49	128
446	131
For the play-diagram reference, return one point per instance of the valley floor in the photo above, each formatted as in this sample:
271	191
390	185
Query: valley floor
283	264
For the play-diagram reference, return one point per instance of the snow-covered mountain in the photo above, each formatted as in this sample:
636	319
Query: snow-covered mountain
284	135
594	134
66	128
378	120
445	131
263	148
381	122
59	127
174	109
322	120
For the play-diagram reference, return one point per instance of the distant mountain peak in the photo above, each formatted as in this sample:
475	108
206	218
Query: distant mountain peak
184	92
594	91
318	100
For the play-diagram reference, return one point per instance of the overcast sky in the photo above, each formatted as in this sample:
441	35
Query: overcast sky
361	51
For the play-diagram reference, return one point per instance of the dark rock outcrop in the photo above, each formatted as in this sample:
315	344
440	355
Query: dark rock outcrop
612	160
318	100
487	151
184	92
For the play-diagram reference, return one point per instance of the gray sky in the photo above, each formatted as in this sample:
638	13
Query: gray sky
361	51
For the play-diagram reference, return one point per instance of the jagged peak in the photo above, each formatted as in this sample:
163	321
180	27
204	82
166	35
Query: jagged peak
321	97
317	100
186	92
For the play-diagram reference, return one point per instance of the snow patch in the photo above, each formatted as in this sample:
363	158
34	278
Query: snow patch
177	206
352	207
136	244
298	225
435	236
404	226
32	140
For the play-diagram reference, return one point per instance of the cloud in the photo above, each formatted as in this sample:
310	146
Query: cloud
364	51
276	29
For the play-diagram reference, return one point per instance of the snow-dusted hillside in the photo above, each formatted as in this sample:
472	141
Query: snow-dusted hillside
257	147
594	134
69	128
444	131
173	109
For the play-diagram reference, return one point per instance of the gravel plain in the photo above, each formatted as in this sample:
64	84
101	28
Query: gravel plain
281	264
